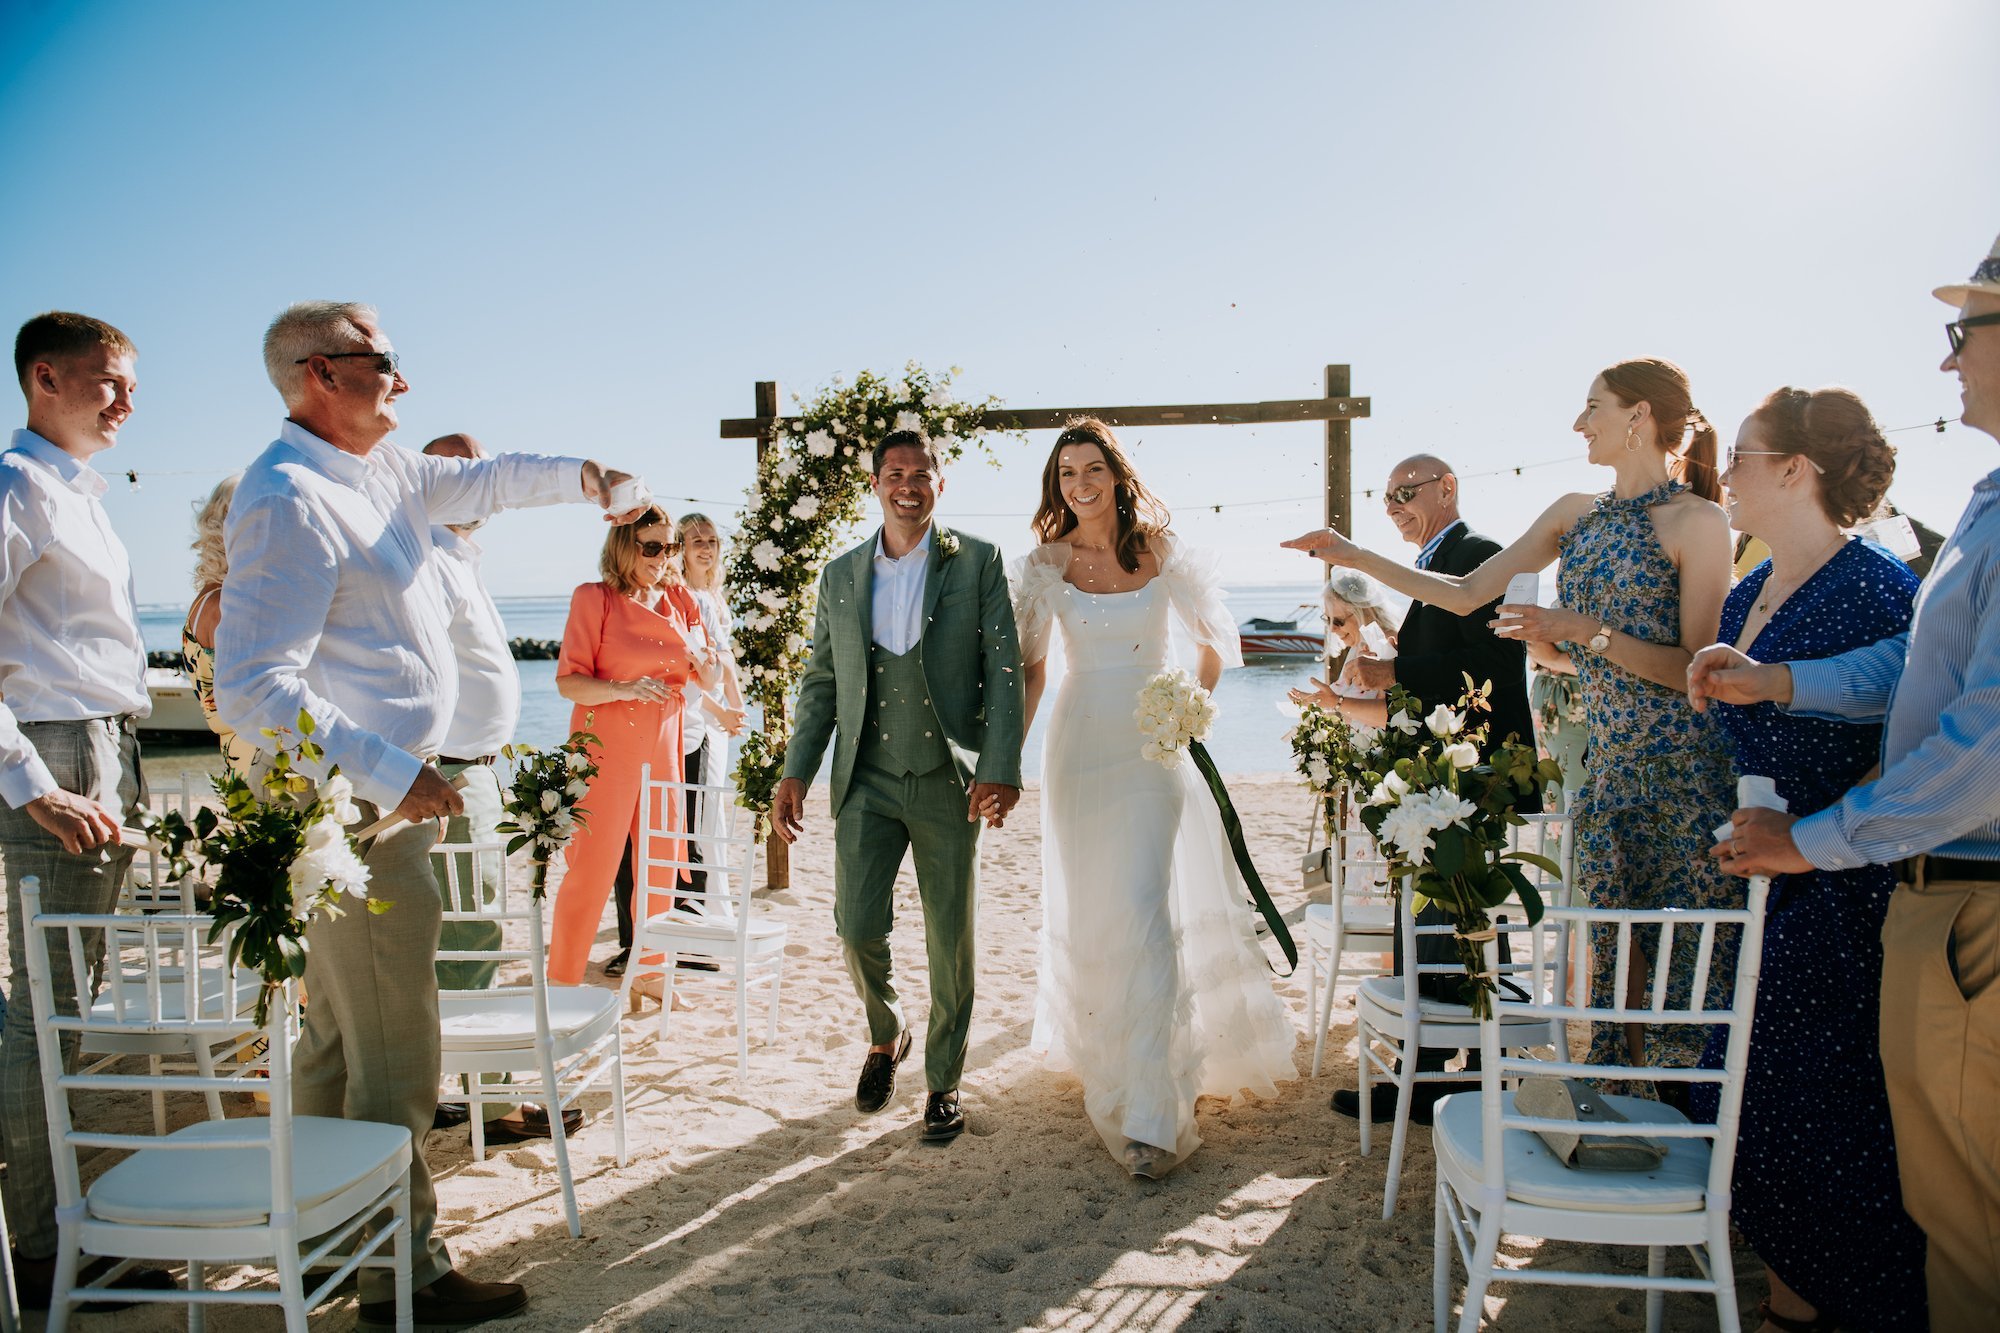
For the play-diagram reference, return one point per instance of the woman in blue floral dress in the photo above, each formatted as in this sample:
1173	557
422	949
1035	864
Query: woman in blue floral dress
1645	568
1816	1189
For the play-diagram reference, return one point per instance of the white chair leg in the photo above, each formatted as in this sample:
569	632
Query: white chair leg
405	1288
742	1018
475	1121
1363	1074
1479	1274
1406	1091
68	1260
1324	1019
777	980
197	1281
560	1142
1722	1268
1656	1301
618	1095
670	965
291	1281
1441	1248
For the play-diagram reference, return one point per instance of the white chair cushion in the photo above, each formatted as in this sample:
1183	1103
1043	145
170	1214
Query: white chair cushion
1362	918
231	1187
1534	1176
681	925
1387	993
482	1020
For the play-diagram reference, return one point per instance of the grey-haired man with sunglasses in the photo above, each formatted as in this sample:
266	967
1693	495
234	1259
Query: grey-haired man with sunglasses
334	605
1935	814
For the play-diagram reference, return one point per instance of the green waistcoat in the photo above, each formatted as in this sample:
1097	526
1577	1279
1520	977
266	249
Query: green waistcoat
902	734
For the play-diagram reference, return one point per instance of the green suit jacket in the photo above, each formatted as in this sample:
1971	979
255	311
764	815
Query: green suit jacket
972	663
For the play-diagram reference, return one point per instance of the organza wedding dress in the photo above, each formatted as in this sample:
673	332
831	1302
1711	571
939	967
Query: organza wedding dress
1153	990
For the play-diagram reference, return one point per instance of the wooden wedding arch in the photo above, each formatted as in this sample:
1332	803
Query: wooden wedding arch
1338	408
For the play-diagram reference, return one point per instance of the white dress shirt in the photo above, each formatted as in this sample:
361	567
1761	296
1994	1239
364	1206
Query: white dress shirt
335	605
489	685
695	724
69	628
897	601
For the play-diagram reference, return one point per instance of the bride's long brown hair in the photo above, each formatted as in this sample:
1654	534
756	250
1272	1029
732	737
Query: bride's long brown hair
1140	513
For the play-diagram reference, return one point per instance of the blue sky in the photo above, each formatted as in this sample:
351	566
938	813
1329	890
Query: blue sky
590	228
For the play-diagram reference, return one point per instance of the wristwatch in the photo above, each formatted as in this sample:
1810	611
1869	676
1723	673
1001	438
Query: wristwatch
1600	642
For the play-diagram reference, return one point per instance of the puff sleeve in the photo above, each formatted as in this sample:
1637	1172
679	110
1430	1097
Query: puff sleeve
1194	586
1037	580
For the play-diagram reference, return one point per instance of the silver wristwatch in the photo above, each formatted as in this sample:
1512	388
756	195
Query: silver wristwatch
1600	642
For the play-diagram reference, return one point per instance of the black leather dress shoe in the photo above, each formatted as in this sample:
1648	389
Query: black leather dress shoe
453	1301
943	1120
450	1115
533	1123
1382	1099
878	1077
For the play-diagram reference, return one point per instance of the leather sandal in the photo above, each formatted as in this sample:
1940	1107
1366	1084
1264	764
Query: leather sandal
1819	1323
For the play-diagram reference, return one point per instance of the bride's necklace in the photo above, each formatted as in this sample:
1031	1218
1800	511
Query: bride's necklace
1768	600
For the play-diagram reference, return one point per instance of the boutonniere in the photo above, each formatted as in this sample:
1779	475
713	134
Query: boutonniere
947	544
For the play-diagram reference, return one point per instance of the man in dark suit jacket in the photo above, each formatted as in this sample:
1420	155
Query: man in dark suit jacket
1435	651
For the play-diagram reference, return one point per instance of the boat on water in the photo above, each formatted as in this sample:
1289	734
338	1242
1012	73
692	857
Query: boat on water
1303	635
175	707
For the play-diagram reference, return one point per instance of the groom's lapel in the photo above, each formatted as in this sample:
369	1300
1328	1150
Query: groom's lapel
862	570
934	576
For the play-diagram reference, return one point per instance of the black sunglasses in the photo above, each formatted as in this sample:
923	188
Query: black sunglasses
653	550
1402	495
386	363
1955	331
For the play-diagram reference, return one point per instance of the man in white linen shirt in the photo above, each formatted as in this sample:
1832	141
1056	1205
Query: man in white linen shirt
73	677
334	605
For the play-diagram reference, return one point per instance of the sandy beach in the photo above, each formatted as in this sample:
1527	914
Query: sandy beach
771	1203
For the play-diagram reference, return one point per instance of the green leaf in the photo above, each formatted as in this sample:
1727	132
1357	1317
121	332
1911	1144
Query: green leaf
377	906
294	955
306	724
1448	852
1537	860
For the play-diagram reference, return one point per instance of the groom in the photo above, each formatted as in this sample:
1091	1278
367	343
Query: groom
916	675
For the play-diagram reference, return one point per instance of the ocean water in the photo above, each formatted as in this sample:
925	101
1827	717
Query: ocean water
1249	730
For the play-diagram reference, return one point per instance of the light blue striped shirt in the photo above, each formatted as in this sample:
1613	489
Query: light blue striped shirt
1939	689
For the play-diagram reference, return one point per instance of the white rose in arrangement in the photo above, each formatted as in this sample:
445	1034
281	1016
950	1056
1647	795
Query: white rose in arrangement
766	555
805	507
327	861
819	444
577	789
1462	754
1318	772
909	421
1444	723
1173	711
551	798
770	598
951	425
577	761
777	522
788	466
1404	723
839	428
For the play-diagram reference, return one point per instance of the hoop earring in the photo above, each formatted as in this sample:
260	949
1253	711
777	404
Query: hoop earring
1631	441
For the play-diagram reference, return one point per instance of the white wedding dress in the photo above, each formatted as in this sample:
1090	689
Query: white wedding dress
1153	989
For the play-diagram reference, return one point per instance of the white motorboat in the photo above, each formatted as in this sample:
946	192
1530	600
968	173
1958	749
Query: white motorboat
1303	635
175	705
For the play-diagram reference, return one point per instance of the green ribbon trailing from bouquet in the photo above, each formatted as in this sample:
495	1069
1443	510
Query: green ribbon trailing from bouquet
1233	827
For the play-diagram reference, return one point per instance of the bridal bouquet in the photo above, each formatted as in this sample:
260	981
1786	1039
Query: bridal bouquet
1175	715
1441	815
279	858
544	802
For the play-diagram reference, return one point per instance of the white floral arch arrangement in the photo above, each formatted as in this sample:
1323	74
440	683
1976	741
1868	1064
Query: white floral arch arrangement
809	493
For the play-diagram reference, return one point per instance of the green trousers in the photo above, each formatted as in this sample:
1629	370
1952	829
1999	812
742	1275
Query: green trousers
884	815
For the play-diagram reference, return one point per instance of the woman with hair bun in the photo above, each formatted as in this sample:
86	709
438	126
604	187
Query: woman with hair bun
1840	1250
1349	601
1645	568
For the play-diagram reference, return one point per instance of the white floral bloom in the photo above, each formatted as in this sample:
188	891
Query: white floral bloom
770	598
337	794
1318	772
839	428
1397	784
767	555
577	761
551	798
788	464
878	423
819	444
1404	723
951	425
1447	808
1462	754
777	522
805	507
577	789
795	644
907	420
1444	723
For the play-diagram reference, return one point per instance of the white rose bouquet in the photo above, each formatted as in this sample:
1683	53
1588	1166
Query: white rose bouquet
544	804
1441	814
279	859
1175	715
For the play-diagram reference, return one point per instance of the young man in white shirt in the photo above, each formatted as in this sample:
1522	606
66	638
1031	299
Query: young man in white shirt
73	682
334	605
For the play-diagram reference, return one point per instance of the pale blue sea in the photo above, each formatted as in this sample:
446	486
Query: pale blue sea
1248	736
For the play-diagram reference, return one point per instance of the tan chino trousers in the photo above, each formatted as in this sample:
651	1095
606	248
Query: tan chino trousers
1941	1053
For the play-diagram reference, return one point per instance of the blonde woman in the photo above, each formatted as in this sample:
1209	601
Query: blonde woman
205	613
712	716
1351	600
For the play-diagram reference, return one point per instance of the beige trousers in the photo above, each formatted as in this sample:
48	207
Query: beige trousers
1941	1053
370	1049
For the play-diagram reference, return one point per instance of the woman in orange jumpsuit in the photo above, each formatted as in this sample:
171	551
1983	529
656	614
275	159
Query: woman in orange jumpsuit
631	642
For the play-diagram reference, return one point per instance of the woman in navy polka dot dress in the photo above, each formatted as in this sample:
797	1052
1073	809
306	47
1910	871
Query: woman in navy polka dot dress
1815	1189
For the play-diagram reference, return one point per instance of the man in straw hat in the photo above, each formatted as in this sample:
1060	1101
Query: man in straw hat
1935	814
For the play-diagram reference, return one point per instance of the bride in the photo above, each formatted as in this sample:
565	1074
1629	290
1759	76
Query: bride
1153	989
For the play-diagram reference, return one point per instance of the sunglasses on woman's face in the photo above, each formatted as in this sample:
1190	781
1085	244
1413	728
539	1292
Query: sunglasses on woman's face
654	550
1337	622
